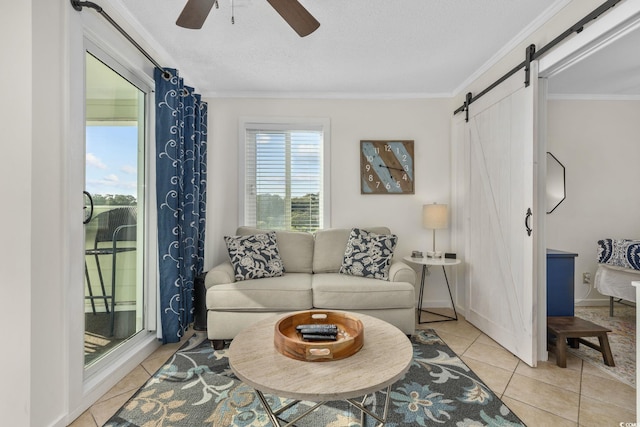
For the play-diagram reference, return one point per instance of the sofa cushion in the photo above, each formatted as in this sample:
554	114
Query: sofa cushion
368	254
255	256
342	292
330	246
290	292
296	248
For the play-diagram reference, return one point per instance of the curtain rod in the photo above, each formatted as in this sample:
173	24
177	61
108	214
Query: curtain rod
78	5
532	54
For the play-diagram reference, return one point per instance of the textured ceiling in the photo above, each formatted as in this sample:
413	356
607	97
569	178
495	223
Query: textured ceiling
366	48
362	48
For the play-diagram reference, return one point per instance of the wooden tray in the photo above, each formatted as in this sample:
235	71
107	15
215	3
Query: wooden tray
290	343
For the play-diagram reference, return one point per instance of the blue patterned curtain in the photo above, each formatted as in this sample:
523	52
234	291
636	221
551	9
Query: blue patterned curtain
181	167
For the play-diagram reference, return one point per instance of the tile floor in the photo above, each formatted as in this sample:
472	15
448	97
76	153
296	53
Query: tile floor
580	395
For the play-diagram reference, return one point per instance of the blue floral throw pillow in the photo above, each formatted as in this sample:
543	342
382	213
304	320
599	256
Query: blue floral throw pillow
368	254
623	253
255	256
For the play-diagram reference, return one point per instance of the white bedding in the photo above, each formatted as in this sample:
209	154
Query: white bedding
616	282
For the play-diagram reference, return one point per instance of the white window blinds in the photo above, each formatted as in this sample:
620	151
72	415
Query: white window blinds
284	176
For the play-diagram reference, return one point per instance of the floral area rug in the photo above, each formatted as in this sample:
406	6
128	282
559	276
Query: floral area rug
622	340
197	388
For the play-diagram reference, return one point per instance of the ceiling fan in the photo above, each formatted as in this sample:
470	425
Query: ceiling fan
195	13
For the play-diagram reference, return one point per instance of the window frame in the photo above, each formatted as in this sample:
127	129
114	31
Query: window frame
323	123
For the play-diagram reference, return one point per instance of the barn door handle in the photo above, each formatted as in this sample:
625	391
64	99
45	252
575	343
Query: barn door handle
526	221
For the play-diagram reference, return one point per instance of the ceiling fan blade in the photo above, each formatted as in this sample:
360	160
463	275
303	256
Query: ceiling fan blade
296	16
194	14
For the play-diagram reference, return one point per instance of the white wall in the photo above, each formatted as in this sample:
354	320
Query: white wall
15	184
597	141
31	262
48	267
426	121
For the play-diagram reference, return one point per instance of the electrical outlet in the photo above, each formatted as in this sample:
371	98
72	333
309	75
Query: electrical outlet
586	277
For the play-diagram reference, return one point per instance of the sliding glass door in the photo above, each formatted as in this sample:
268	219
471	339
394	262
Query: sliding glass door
114	210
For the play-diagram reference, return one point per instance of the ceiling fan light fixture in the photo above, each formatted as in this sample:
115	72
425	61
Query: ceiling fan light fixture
194	14
296	16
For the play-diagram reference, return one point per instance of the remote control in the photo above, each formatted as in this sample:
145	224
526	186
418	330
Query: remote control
318	327
315	337
318	331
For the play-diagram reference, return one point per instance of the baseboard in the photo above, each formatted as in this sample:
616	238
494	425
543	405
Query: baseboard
592	302
60	422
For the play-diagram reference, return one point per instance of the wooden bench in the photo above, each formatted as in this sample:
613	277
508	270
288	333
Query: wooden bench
572	330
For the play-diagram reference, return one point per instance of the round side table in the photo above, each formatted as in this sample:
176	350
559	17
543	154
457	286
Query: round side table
426	263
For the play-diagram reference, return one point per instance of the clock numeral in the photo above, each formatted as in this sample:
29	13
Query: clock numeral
405	177
369	158
377	184
370	178
387	147
398	185
406	168
388	186
367	168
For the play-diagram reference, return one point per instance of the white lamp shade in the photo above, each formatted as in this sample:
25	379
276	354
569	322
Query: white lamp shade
435	217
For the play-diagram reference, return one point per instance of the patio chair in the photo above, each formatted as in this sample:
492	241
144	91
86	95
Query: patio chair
113	227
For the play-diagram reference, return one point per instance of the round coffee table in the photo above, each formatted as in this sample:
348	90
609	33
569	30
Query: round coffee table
383	359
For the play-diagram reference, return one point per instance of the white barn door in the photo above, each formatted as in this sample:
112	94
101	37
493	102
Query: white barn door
500	142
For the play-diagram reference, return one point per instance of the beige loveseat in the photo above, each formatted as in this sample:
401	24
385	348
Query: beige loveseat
311	280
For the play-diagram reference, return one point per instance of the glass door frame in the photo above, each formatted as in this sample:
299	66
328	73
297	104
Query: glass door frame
147	260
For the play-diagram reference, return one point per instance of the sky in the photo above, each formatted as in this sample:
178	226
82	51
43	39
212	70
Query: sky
111	160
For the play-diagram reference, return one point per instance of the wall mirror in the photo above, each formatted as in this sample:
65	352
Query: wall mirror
556	188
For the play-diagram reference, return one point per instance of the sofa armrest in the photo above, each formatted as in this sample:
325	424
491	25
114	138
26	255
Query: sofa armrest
220	274
401	272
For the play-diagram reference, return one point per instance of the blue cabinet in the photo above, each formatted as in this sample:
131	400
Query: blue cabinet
560	282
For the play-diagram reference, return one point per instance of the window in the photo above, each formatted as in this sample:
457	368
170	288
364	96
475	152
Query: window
284	174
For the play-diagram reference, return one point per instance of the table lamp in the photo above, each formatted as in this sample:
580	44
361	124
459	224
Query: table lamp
435	217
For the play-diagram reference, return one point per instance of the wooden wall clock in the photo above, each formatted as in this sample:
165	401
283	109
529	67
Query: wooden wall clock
386	167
